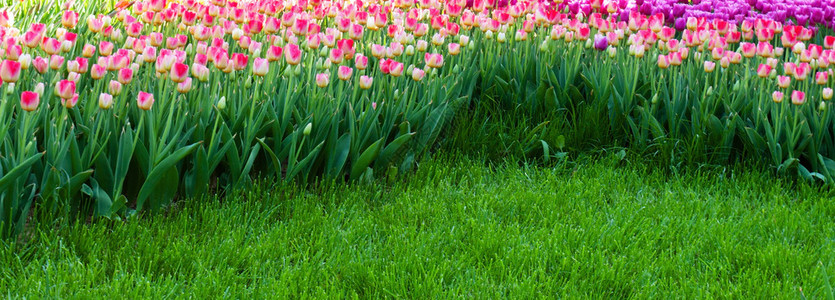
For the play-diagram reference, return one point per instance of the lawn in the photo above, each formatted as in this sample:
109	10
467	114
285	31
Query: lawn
591	227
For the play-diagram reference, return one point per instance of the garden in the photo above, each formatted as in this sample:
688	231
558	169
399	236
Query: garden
417	148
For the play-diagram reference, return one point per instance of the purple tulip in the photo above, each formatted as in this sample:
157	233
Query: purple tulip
600	42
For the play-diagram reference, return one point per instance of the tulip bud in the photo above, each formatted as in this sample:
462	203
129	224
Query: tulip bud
827	93
501	37
654	99
822	106
709	91
307	129
221	104
612	52
10	88
777	96
39	88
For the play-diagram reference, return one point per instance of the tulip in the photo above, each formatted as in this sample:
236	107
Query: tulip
65	89
125	76
185	86
674	58
777	96
98	71
361	62
600	42
663	61
200	72
783	81
73	76
144	100
260	67
105	101
709	66
71	102
827	93
798	97
274	53
179	72
365	82
10	71
322	79
344	73
434	60
51	46
29	101
418	74
115	88
40	64
749	50
69	19
454	48
725	62
55	62
396	68
292	54
335	56
821	78
763	70
25	61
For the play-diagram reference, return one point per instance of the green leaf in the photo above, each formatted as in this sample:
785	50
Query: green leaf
336	160
365	159
161	169
391	149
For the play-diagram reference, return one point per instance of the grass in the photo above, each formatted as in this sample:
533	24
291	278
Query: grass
596	227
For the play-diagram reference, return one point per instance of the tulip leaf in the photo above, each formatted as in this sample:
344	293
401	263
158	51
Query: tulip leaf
392	148
336	159
365	159
161	169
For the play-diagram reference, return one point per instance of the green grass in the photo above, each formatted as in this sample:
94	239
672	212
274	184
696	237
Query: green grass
594	228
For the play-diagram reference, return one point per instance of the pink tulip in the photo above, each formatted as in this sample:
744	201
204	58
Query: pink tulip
105	101
365	82
798	97
71	102
51	46
29	100
200	72
40	64
13	52
674	58
105	48
115	88
709	66
185	86
144	100
73	76
260	67
125	76
274	53
826	93
292	54
240	61
418	74
69	19
777	97
179	72
749	50
763	70
454	48
361	62
396	68
821	78
98	71
344	73
65	89
335	56
378	51
56	62
663	61
10	71
434	60
322	79
783	81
